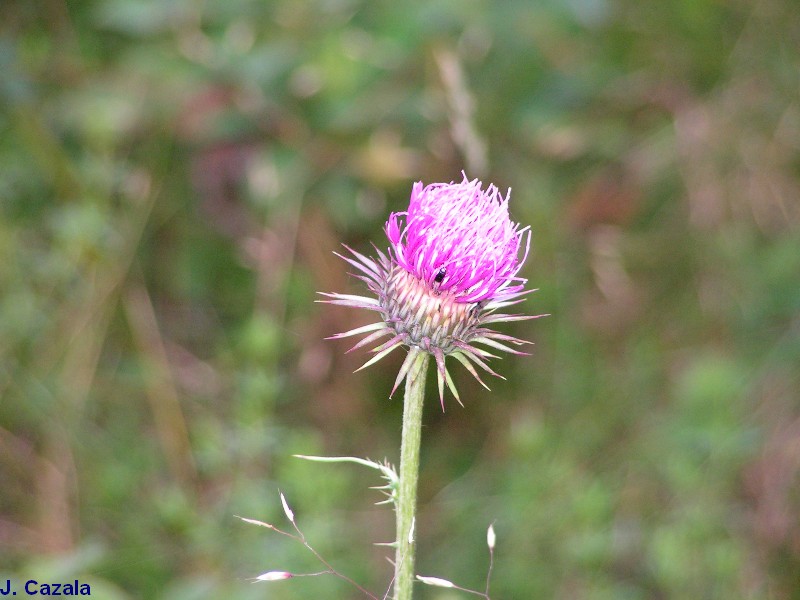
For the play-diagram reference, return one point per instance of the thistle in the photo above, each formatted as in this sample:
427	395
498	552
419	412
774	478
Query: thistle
454	261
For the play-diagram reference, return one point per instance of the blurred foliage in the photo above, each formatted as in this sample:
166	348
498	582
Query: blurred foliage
173	178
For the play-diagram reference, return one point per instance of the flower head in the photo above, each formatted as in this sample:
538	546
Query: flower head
454	261
459	238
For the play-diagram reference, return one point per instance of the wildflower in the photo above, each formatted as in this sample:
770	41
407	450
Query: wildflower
454	261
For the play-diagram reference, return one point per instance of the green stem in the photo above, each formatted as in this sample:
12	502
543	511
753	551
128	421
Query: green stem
409	473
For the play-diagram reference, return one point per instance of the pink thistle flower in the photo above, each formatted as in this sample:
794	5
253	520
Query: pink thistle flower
454	261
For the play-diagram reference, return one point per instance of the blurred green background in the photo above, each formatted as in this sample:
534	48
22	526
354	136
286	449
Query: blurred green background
174	176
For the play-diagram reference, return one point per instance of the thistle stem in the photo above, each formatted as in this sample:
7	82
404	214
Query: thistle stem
406	509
